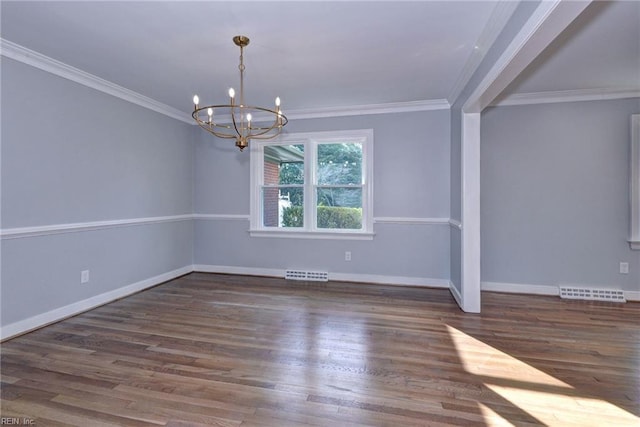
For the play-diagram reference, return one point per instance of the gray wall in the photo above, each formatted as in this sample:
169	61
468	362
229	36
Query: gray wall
71	154
555	194
411	179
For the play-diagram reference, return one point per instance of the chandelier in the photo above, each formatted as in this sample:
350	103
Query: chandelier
237	120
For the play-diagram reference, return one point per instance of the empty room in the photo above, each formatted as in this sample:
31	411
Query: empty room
320	213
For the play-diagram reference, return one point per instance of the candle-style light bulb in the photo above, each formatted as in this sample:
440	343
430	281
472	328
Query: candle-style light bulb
249	120
196	100
232	93
210	113
277	101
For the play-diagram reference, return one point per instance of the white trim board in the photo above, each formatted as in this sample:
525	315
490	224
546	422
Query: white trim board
45	230
456	295
55	315
406	220
377	220
222	217
548	20
500	15
362	110
567	96
634	183
519	288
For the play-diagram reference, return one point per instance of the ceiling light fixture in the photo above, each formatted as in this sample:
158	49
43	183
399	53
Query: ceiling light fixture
237	120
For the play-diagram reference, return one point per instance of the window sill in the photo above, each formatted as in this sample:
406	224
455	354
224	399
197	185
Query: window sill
299	234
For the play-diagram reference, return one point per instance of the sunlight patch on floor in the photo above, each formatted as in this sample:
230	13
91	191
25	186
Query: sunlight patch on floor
542	396
492	418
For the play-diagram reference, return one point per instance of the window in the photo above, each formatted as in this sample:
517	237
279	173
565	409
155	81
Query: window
313	185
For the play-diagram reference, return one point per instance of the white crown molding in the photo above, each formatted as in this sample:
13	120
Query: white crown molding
567	96
357	110
44	230
35	59
55	315
361	110
30	57
499	17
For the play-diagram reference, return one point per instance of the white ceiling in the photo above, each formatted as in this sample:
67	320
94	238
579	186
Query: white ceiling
314	54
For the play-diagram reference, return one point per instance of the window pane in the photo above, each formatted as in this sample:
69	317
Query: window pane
279	209
283	164
339	164
339	208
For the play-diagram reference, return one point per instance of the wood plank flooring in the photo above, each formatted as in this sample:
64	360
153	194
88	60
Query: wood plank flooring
224	350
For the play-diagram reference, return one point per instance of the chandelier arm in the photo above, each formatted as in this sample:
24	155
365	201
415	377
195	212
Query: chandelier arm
218	134
264	130
233	119
210	126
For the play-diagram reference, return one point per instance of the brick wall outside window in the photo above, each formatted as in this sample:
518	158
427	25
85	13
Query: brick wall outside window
271	195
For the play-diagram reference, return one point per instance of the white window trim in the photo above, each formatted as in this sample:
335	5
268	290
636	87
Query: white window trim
364	136
634	185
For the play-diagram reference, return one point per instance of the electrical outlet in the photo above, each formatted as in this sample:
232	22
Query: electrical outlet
347	256
624	268
84	276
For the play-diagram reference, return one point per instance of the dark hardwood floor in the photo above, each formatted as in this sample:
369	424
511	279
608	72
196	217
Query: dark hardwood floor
222	350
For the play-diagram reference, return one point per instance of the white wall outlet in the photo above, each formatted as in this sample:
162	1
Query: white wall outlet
84	276
624	268
347	256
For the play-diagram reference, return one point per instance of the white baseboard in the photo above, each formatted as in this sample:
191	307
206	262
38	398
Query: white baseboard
390	280
346	277
40	320
230	269
519	288
456	294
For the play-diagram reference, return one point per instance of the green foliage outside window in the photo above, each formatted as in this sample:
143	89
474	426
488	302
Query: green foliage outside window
328	217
